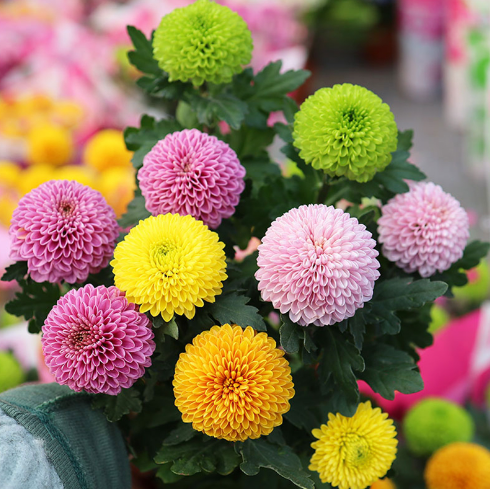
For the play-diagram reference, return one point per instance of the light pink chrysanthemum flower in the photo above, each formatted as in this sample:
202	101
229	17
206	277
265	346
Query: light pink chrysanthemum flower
64	230
192	173
318	264
95	340
423	230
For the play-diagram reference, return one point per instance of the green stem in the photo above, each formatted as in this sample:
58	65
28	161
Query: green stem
322	195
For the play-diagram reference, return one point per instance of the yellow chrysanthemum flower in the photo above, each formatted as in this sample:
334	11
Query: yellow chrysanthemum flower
383	484
232	383
107	150
352	453
170	264
49	144
459	466
117	185
81	174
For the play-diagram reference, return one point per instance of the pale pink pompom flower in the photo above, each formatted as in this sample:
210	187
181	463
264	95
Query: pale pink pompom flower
64	230
192	173
95	340
423	230
318	264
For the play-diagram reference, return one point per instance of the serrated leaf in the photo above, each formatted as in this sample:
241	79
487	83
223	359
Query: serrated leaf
357	327
270	83
259	453
183	432
165	473
400	294
171	329
233	308
394	176
339	361
405	140
16	271
189	457
115	407
388	369
248	141
223	106
472	255
142	57
290	108
291	335
135	212
34	301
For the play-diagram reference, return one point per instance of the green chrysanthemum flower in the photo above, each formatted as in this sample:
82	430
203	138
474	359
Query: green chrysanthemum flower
346	130
202	42
11	373
434	423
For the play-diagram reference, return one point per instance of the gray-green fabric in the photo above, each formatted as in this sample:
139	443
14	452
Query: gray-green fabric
85	449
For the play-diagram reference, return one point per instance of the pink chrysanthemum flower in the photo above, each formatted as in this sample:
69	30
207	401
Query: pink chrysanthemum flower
95	340
318	264
192	173
64	230
423	230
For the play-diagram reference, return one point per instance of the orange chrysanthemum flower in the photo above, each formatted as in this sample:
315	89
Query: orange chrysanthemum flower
232	383
383	484
459	466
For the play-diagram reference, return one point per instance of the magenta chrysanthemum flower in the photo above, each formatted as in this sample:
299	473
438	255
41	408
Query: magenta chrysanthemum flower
318	264
64	230
190	172
95	340
423	230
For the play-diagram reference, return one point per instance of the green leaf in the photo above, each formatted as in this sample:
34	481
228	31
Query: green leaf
292	335
388	369
233	308
400	294
135	212
142	57
223	106
183	432
115	407
249	141
34	301
16	271
394	176
340	359
169	328
472	255
259	453
357	326
189	457
290	108
405	140
165	473
284	132
270	83
141	140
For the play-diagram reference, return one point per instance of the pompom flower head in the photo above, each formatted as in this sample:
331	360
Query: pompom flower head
50	145
347	131
107	150
11	373
318	264
190	172
202	42
232	383
459	466
423	230
64	231
95	340
353	453
169	264
433	423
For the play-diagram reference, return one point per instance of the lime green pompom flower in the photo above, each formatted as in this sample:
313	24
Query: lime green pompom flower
203	42
11	373
346	130
434	423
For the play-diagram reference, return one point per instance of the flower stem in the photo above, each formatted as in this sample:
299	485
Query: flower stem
322	194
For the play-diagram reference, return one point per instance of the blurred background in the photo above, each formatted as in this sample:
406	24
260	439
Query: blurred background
67	91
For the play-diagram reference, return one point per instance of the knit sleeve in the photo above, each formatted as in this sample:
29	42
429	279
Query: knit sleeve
23	461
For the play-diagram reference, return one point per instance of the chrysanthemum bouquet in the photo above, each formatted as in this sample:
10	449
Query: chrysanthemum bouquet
213	363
